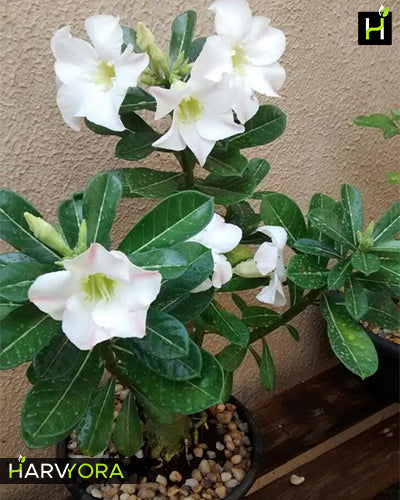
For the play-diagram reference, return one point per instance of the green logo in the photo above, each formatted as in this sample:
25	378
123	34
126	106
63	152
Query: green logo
21	460
383	12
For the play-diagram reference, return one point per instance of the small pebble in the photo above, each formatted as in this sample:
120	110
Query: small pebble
175	476
225	417
198	452
139	454
296	480
96	493
204	467
220	491
144	493
196	474
236	459
161	480
238	474
124	496
192	483
226	476
232	483
172	491
211	454
219	446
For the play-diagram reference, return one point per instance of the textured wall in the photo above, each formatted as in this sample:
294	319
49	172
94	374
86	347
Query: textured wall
330	80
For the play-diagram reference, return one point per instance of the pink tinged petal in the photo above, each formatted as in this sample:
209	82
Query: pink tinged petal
75	58
200	147
277	234
216	127
50	292
206	285
106	36
128	68
172	139
222	270
102	108
266	258
264	44
99	260
141	290
232	19
167	99
117	321
219	235
78	324
214	60
266	80
273	293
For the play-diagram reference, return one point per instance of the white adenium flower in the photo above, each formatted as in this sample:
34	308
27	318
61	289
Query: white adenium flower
221	237
268	261
93	80
98	295
247	49
202	115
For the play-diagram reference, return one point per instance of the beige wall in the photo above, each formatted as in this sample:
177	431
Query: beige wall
330	80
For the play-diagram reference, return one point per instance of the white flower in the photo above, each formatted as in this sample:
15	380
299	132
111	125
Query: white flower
221	237
202	115
268	261
247	49
98	295
93	80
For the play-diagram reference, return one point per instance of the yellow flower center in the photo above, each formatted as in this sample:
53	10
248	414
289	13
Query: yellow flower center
239	59
98	286
105	75
189	110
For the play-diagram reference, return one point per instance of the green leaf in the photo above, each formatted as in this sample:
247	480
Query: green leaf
7	307
166	338
227	390
175	219
348	340
339	274
383	312
144	182
14	258
330	224
187	397
54	407
238	284
128	435
136	140
196	47
380	282
70	218
389	247
381	121
169	262
266	126
189	306
279	210
243	215
16	279
356	298
258	169
227	190
267	368
99	129
229	326
23	333
393	178
320	200
95	429
388	226
353	209
296	293
231	357
15	230
100	201
314	247
137	99
306	272
366	263
182	34
391	271
129	37
293	332
258	316
226	163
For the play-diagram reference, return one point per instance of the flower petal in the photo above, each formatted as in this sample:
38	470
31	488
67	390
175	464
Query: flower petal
167	99
232	19
277	234
214	60
266	80
216	127
50	292
78	325
219	235
244	102
273	293
128	68
263	44
71	100
118	321
141	290
206	285
200	147
102	108
266	258
171	139
222	270
106	35
98	260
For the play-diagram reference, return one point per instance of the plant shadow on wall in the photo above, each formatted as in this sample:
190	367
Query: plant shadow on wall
75	309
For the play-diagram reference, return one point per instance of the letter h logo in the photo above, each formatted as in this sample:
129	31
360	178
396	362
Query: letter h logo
375	28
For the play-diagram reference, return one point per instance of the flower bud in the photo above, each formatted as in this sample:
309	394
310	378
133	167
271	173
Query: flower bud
146	42
47	234
239	254
247	269
81	246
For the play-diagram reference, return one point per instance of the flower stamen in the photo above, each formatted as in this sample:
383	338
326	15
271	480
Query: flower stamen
189	110
239	59
105	75
98	287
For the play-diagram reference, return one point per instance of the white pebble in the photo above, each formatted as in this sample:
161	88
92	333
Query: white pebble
232	483
211	454
139	454
192	483
296	480
219	446
96	493
226	476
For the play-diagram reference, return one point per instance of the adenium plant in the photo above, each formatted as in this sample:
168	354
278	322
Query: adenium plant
75	309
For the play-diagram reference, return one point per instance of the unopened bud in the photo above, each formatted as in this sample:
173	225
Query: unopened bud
239	254
47	234
247	269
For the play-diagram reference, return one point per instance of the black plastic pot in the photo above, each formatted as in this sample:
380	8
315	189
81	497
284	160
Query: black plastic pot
79	493
385	382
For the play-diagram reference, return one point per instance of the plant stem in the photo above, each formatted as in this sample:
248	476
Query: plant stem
187	163
286	316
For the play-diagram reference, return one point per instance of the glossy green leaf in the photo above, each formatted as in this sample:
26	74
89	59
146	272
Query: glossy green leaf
169	262
182	34
14	258
339	274
390	269
175	219
137	99
189	306
54	407
231	357
381	121
314	247
348	340
228	384
320	200
243	215
136	140
23	333
306	272
226	163
266	126
331	225
388	247
258	169
295	292
144	182
227	190
258	316
356	298
279	210
267	368
7	307
229	326
353	209
388	226
15	230
16	279
95	428
129	37
383	312
366	263
128	434
293	332
70	217
196	47
238	284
